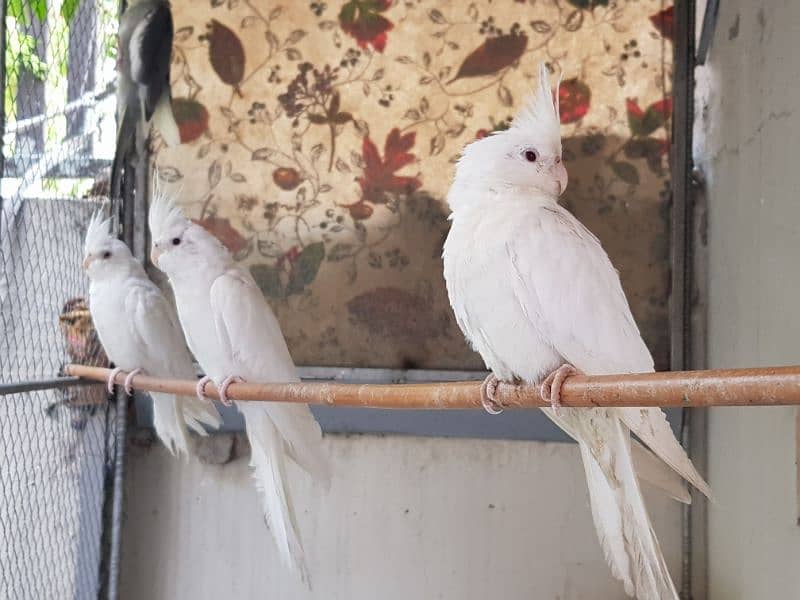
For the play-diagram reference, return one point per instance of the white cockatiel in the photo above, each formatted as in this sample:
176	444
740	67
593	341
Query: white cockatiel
234	335
140	332
536	295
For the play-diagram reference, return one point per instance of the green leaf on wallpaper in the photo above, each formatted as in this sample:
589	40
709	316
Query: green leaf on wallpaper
626	171
642	147
268	279
305	267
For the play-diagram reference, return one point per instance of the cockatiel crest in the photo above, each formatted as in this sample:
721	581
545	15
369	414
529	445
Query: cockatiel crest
539	118
527	155
165	217
98	232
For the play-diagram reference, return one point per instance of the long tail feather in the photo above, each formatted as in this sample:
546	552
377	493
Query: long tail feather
268	462
649	467
623	526
199	414
652	427
169	425
126	140
302	435
653	471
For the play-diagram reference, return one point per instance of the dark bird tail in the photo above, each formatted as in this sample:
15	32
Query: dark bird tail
126	143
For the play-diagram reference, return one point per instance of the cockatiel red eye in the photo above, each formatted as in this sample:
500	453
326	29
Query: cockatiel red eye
531	156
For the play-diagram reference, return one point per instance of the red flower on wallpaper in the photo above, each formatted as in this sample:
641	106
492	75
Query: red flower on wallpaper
223	230
379	178
574	98
361	20
664	22
644	122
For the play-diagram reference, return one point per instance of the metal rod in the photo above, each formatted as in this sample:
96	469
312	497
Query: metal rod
770	386
707	30
120	430
42	384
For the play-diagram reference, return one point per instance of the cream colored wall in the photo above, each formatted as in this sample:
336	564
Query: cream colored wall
748	136
406	518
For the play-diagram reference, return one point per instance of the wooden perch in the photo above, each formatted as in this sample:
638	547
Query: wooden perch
770	386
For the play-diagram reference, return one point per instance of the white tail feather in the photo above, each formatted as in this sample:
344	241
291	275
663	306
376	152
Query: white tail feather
197	413
169	425
652	427
623	526
268	461
302	434
655	472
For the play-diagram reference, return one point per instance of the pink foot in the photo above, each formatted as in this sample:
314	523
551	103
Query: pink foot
488	390
223	388
200	389
550	390
111	378
129	381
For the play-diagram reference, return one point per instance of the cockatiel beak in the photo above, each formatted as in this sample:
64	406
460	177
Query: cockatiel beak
155	253
559	173
86	262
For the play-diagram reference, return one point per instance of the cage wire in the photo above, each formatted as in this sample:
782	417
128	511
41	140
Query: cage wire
57	445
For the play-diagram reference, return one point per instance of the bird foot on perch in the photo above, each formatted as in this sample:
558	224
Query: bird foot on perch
200	388
112	376
488	390
129	381
550	390
223	388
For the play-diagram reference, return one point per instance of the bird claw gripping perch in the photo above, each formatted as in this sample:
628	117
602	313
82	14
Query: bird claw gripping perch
112	376
200	389
223	388
550	390
488	390
129	381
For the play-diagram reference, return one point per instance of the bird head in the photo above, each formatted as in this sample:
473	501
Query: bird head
527	155
104	255
179	245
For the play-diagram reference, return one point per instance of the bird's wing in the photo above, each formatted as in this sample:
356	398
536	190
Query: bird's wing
248	331
150	50
154	327
561	268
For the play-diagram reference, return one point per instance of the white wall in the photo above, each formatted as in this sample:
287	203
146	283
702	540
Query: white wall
749	134
406	518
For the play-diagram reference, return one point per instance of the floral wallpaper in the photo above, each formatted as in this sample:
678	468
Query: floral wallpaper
319	140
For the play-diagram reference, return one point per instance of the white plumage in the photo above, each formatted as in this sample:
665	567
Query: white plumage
139	330
533	289
232	331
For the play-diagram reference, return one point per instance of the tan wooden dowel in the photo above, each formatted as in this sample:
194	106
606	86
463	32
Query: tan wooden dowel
770	386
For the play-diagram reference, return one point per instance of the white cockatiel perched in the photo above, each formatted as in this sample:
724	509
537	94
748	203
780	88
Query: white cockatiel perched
143	88
538	298
234	334
139	331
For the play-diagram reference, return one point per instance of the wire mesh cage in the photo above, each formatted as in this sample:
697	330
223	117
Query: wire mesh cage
57	443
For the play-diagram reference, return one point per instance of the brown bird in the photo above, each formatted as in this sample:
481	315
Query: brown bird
83	347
